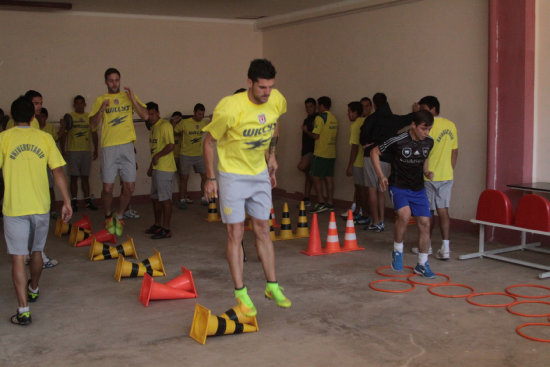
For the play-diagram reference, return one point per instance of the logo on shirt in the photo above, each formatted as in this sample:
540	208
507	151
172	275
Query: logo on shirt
425	151
117	121
258	143
80	134
406	152
195	140
27	148
262	119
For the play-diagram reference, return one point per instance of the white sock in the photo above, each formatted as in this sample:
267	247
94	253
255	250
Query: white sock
398	246
445	245
422	258
33	290
353	207
23	309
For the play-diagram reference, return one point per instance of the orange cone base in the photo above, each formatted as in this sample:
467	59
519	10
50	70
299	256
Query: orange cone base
150	290
344	249
184	282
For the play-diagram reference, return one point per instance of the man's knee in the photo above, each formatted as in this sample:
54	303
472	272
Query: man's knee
108	188
129	187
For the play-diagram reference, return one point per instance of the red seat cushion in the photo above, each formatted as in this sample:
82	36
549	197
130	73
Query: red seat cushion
534	213
495	207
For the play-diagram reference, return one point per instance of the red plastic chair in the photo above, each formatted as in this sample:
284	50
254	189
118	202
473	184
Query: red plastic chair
495	207
533	212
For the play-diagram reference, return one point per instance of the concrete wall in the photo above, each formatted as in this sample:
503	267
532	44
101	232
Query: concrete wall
175	62
407	51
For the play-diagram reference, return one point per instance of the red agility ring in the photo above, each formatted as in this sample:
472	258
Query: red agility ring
527	285
509	308
440	274
430	289
530	337
379	272
391	280
469	299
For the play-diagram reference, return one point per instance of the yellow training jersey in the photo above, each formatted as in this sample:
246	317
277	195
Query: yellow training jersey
162	134
50	129
34	123
355	132
177	143
191	143
326	126
244	130
24	154
445	141
118	122
78	137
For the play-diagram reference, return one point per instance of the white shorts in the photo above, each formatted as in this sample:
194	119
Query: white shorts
439	193
161	185
240	194
118	158
371	178
26	234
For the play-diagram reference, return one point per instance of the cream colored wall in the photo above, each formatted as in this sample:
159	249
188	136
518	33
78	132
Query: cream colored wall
176	63
408	51
541	163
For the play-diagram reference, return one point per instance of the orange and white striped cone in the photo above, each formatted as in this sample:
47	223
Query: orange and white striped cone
333	242
350	239
272	215
286	228
302	231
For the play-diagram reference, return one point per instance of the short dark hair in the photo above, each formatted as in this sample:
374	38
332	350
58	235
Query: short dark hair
379	99
310	100
152	106
423	116
44	111
31	94
77	98
356	107
324	101
177	113
366	99
239	90
199	107
261	68
111	71
22	109
431	102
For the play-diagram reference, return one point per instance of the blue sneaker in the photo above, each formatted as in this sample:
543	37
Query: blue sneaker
424	270
397	261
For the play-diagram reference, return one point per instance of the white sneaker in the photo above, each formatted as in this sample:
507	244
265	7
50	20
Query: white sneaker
414	250
131	214
443	255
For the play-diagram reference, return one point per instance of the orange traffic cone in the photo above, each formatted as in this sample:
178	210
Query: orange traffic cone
205	324
314	244
212	211
350	239
301	228
333	242
151	290
286	228
101	236
272	215
84	223
184	282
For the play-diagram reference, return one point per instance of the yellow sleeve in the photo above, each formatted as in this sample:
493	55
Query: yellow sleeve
221	120
96	106
318	125
178	129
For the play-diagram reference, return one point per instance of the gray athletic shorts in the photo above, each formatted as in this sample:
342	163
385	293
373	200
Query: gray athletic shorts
50	177
187	161
244	192
26	234
161	185
439	193
118	158
371	178
177	159
79	162
358	176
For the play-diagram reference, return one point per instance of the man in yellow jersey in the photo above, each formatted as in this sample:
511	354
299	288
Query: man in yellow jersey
355	163
442	162
116	109
24	155
36	99
244	125
191	152
75	145
324	155
161	170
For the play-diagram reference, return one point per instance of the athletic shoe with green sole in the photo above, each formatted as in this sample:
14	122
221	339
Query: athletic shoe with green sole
110	225
31	296
119	227
23	318
274	292
245	303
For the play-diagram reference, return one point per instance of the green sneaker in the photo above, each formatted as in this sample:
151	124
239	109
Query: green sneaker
245	303
22	319
273	291
110	224
119	226
31	296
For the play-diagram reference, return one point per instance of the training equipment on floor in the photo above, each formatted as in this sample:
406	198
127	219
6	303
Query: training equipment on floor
100	251
314	244
333	242
152	266
61	228
212	211
181	287
302	231
286	228
101	236
350	239
205	324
